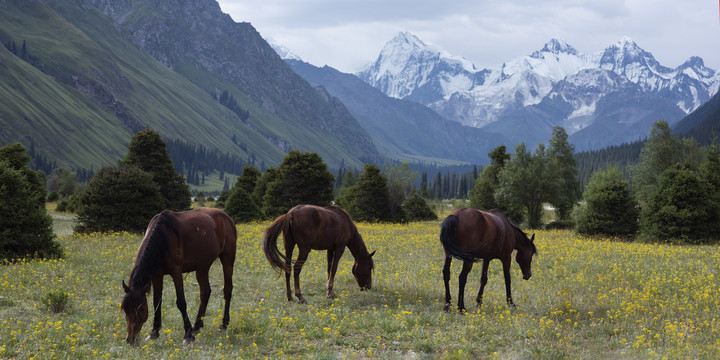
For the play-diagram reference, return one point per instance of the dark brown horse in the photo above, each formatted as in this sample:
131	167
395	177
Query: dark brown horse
177	243
472	235
319	228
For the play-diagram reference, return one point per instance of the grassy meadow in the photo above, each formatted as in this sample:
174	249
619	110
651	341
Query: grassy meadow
587	299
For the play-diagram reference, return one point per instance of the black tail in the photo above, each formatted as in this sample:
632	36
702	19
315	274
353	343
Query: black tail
276	259
449	243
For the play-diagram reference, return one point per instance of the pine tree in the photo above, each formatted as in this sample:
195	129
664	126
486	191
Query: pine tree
680	209
25	227
148	152
301	178
564	168
609	208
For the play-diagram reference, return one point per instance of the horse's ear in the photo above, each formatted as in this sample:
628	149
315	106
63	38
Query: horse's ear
532	238
125	287
372	253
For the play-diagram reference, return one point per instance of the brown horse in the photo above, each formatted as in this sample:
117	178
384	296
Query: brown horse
176	243
319	228
471	235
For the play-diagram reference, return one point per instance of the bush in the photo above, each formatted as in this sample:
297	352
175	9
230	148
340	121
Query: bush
417	208
560	225
117	199
56	301
53	196
241	207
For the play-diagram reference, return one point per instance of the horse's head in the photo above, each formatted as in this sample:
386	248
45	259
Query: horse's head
135	306
524	257
362	270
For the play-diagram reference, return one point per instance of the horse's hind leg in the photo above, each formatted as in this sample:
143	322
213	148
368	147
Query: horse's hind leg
227	264
483	280
202	278
302	256
467	266
288	266
446	280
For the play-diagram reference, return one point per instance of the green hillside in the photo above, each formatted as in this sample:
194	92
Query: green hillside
81	88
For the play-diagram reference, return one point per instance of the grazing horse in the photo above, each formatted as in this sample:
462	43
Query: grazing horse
472	235
319	228
176	243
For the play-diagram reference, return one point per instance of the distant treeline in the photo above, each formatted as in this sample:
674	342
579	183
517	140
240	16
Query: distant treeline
621	156
197	161
227	100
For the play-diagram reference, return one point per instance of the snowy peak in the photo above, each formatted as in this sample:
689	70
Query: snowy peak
406	64
555	46
282	51
405	41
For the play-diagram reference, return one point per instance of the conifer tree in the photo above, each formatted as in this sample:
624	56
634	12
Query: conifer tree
25	227
609	208
302	178
148	152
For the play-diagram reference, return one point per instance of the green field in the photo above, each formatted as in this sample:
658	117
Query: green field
587	299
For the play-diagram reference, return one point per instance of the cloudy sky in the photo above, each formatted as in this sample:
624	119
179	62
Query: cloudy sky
349	34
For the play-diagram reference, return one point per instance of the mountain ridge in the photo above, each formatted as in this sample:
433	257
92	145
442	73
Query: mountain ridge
491	97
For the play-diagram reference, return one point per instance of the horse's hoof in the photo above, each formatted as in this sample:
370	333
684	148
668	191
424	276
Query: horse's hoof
447	307
302	301
188	340
331	295
153	335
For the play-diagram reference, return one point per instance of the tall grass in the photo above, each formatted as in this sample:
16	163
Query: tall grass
587	299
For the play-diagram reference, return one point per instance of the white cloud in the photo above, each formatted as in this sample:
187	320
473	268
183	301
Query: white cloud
348	34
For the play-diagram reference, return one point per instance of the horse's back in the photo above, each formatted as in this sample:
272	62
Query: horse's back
320	228
204	234
481	232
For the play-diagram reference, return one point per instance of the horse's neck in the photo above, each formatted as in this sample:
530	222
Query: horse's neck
357	247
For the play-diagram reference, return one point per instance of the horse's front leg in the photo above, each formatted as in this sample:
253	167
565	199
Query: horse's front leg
302	256
204	283
446	280
462	279
157	284
333	259
483	280
506	273
182	306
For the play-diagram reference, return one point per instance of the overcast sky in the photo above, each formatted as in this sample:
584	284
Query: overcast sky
349	34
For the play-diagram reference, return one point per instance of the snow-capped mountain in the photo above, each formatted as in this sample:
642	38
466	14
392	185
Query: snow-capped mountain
532	86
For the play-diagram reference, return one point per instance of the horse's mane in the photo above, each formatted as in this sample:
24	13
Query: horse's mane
523	237
356	244
156	246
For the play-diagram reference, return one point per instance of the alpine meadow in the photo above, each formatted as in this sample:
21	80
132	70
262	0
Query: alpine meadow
587	299
161	161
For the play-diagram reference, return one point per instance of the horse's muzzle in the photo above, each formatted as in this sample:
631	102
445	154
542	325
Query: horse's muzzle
526	277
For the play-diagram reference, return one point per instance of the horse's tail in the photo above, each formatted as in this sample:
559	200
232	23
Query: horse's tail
272	232
449	241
